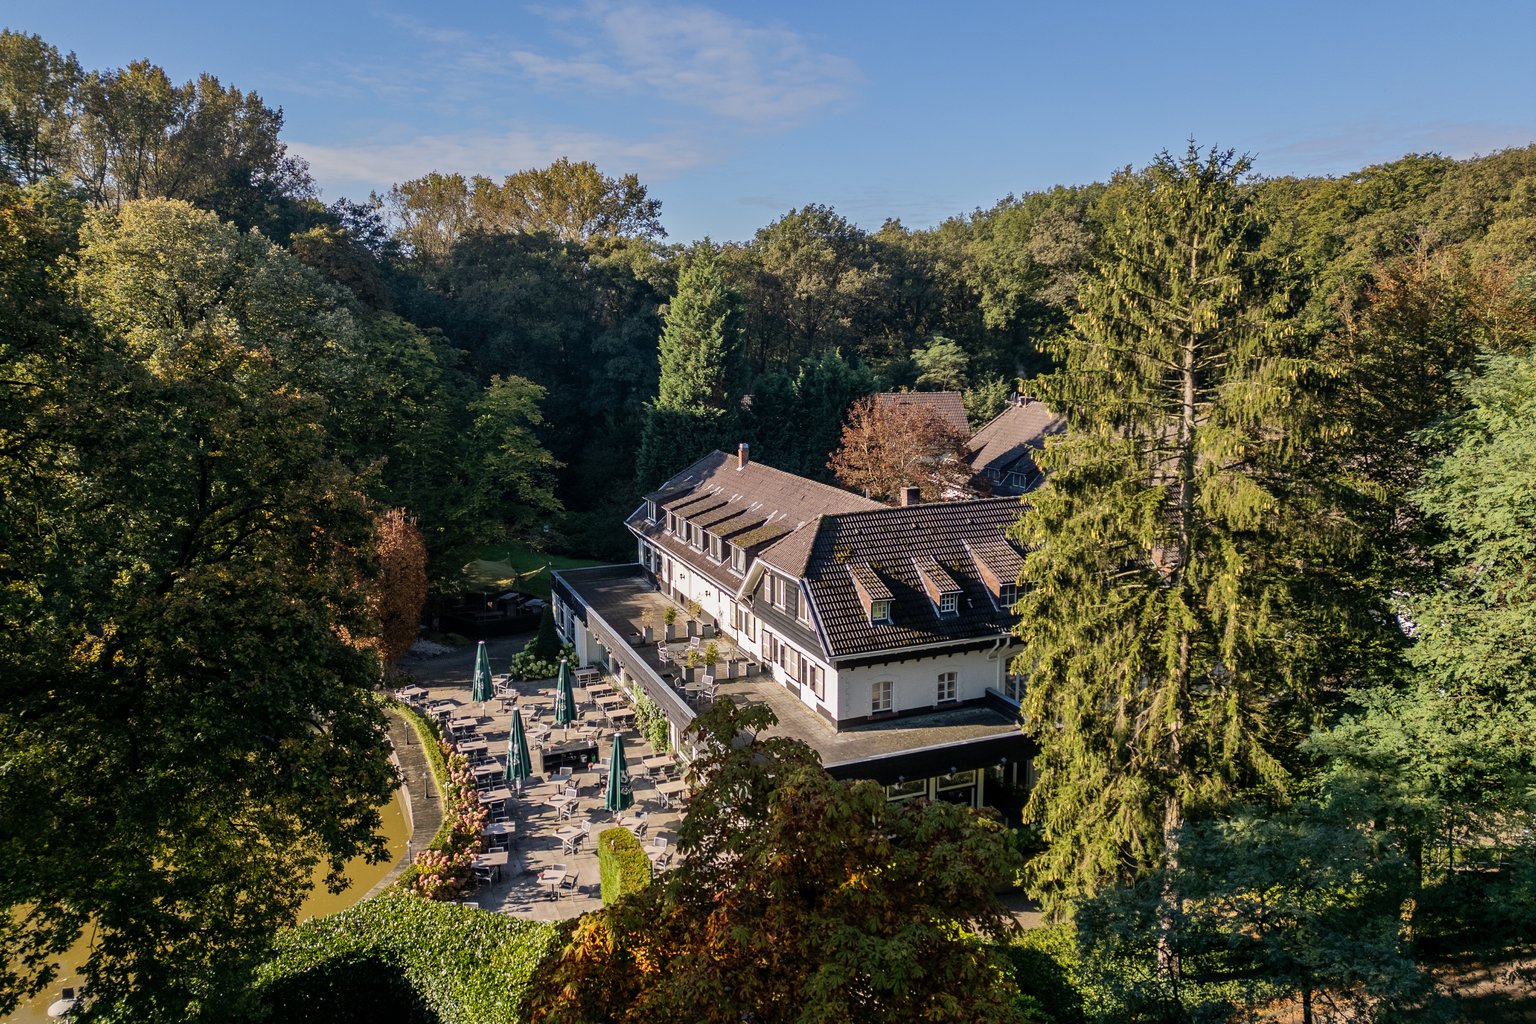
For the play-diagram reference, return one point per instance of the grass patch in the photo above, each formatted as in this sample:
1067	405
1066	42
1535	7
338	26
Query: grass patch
518	568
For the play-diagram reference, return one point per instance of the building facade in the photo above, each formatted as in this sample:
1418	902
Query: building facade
882	635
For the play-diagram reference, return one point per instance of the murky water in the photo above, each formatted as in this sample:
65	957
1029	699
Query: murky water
320	902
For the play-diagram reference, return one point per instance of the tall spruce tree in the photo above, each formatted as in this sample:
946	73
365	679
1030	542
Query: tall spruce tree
1170	637
699	353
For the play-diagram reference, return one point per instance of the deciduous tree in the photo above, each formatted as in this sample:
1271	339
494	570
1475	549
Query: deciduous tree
186	732
797	898
399	591
891	445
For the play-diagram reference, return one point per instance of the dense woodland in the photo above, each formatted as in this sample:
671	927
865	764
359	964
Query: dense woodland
1279	610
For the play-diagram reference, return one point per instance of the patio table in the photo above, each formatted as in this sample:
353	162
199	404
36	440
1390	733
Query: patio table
588	674
552	877
659	762
671	791
474	748
569	836
499	795
498	828
487	772
495	860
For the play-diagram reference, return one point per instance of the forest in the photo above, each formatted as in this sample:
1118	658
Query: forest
1279	610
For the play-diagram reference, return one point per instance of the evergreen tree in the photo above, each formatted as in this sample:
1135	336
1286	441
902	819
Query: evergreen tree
699	351
1170	637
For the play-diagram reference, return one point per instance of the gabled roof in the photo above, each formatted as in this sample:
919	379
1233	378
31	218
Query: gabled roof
752	506
1007	444
895	549
948	406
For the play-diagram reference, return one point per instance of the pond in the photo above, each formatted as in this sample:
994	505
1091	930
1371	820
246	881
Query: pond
363	877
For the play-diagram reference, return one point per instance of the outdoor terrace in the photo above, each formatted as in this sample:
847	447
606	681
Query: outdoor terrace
619	602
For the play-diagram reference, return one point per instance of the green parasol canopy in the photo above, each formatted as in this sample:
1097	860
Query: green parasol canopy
519	764
620	795
565	696
480	688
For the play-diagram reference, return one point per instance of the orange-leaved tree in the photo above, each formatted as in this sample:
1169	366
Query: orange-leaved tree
888	446
400	589
797	898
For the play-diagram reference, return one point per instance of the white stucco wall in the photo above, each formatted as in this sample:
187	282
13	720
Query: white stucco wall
916	681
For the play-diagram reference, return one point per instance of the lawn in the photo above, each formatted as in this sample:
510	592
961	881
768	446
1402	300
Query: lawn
517	568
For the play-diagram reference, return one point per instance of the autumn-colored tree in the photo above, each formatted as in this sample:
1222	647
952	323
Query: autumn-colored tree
400	589
888	446
798	898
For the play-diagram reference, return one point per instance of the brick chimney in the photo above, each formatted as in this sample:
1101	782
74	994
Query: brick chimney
911	496
741	456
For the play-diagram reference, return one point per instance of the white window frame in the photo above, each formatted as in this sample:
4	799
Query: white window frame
738	558
959	780
879	611
716	549
1013	687
1007	595
671	522
650	511
882	697
908	790
803	611
949	687
949	604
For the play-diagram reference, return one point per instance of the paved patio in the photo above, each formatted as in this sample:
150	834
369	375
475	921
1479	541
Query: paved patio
534	815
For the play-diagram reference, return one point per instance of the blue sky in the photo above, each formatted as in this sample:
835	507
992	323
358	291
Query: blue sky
734	113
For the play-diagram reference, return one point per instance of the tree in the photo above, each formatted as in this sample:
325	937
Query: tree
1300	903
574	202
943	364
891	445
1448	749
1171	631
39	97
797	898
399	591
699	353
179	709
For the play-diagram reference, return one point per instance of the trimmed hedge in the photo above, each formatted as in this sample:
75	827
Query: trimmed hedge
621	863
400	958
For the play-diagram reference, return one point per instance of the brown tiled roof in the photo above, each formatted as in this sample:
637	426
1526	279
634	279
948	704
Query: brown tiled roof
997	562
890	542
868	584
751	506
1008	442
948	406
936	581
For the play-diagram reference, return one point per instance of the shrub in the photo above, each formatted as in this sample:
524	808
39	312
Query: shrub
527	664
394	958
546	643
650	722
1045	967
621	863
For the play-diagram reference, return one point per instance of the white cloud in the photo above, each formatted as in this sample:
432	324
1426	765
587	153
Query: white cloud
766	76
377	164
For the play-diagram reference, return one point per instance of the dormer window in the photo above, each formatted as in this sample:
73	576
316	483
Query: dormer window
738	558
880	611
695	536
1007	595
671	523
716	550
650	511
949	604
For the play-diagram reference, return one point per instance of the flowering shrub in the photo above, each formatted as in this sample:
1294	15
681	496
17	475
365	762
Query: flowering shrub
443	870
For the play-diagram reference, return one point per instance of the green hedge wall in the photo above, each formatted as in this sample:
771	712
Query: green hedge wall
399	958
621	863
